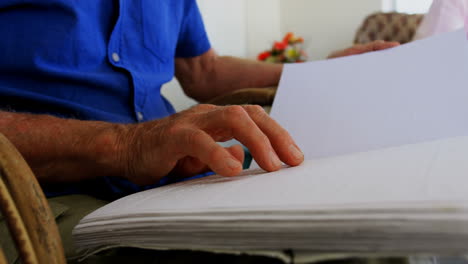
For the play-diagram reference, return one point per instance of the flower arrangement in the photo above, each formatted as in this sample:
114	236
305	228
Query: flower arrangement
288	50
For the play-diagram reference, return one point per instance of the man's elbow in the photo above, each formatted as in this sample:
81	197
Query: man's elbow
197	75
198	93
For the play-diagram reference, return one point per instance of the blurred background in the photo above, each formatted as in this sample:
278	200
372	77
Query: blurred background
245	28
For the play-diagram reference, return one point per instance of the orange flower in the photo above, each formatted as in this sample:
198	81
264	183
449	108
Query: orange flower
263	56
280	45
287	38
288	50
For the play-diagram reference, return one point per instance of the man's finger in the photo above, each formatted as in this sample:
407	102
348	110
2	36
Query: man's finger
237	151
188	167
382	45
202	108
237	122
198	144
282	142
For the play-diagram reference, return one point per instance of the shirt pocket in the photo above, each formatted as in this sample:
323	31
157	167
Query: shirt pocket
161	21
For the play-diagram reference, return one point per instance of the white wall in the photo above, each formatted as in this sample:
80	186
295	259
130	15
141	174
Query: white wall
226	23
263	25
389	5
413	6
326	25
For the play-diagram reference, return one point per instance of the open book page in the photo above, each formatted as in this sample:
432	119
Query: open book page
409	94
402	200
422	176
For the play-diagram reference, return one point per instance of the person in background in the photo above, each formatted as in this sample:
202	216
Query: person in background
443	16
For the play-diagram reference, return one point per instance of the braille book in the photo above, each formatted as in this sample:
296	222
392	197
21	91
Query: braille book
385	137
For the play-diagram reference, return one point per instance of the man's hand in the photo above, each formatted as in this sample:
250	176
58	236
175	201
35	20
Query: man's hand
185	144
364	48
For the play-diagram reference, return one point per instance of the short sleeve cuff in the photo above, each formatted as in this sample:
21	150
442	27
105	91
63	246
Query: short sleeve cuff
193	48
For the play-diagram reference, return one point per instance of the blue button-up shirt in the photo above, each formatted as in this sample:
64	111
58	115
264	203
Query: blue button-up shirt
95	59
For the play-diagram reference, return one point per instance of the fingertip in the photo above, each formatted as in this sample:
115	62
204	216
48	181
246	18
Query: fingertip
237	151
387	45
275	161
296	162
293	155
233	164
236	172
392	44
269	162
232	167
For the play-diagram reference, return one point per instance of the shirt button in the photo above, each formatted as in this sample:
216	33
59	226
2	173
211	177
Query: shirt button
140	116
115	57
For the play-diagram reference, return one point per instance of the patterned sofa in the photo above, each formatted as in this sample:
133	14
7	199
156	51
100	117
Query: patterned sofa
389	27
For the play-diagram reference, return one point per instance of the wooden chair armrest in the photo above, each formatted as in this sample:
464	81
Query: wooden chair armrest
25	208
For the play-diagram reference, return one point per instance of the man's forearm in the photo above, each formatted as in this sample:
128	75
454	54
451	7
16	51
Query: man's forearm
209	75
63	150
243	73
232	73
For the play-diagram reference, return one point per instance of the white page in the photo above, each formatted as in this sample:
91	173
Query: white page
412	93
432	173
